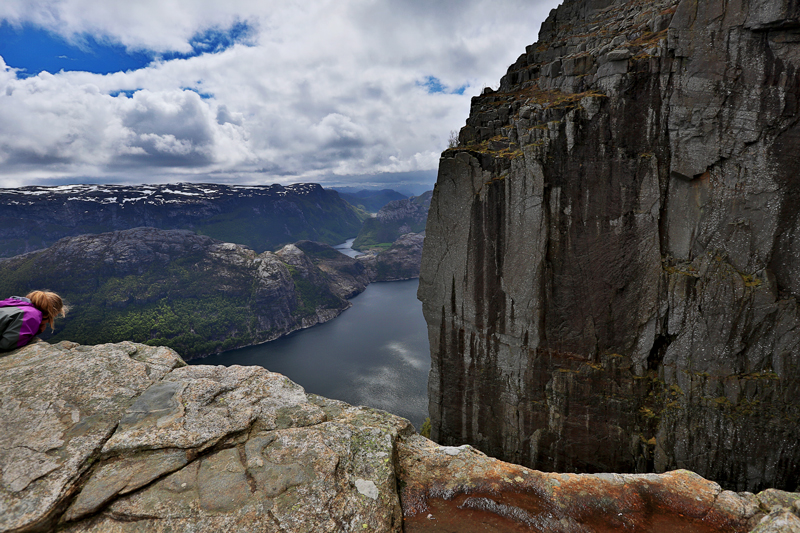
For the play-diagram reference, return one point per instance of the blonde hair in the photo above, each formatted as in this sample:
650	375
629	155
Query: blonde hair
50	304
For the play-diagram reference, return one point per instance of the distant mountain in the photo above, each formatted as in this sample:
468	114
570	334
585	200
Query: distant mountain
186	291
393	220
371	201
260	217
399	261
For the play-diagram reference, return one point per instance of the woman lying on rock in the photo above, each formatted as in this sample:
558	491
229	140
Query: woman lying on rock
22	318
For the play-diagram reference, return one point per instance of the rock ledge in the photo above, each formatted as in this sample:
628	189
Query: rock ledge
127	438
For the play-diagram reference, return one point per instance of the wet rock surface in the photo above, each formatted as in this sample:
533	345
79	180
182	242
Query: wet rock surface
610	265
127	438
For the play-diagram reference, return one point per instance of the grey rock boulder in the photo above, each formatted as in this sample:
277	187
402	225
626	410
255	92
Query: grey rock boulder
60	404
125	437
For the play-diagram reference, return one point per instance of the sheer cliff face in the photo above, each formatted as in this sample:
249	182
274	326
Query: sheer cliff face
611	270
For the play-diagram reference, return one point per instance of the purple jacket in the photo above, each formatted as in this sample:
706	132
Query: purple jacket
19	322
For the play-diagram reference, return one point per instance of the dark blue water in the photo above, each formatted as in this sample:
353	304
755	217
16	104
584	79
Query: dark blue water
375	353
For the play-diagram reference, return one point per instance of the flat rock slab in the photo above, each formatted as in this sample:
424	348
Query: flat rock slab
330	477
126	437
59	404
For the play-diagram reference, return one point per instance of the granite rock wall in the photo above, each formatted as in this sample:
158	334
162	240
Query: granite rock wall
610	267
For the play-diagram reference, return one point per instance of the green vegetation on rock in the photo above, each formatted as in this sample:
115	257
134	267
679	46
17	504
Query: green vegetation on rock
178	289
393	220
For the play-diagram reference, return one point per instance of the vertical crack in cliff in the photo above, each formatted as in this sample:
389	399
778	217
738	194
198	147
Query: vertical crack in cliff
251	481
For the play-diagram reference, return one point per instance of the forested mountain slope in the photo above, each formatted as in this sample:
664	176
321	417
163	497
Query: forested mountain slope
186	291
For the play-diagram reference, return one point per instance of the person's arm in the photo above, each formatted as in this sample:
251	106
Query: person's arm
10	324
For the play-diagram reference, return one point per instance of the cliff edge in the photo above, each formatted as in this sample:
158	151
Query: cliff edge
127	438
610	270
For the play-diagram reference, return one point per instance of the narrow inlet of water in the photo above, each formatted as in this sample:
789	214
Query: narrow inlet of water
375	353
347	248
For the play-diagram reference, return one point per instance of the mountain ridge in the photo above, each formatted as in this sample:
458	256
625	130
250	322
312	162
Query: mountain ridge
261	217
394	219
196	294
188	291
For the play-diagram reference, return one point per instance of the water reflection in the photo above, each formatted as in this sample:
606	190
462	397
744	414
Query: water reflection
375	353
347	248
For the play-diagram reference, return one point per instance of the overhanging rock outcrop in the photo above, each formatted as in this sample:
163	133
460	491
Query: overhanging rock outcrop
127	438
612	255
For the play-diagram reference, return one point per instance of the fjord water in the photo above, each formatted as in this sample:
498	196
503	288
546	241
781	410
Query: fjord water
347	248
375	353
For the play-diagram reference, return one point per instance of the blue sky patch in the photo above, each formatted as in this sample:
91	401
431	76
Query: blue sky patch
34	49
434	85
204	96
127	94
215	40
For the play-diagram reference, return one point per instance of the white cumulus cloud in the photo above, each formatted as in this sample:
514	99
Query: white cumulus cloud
317	90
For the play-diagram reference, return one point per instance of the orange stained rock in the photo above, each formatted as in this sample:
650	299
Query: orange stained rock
462	490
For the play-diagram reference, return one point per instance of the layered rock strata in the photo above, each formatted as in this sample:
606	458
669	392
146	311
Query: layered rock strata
610	272
127	438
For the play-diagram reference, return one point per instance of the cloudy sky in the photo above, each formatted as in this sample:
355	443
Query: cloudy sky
341	92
